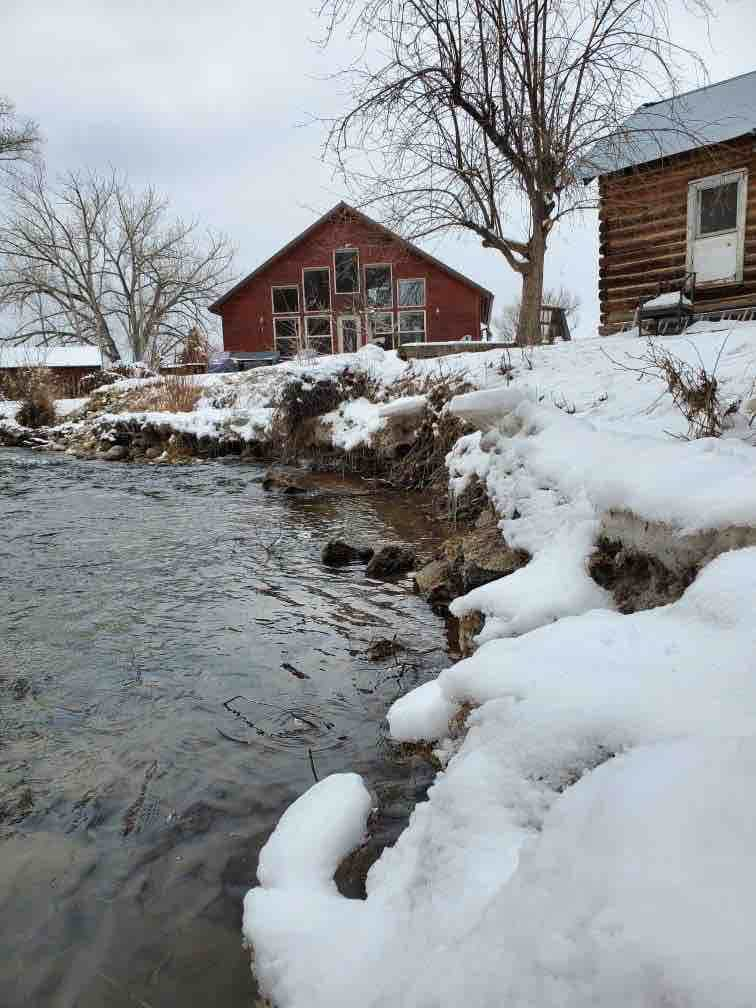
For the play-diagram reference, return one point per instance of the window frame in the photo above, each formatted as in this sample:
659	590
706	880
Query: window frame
415	280
390	268
356	252
316	311
288	318
313	317
290	286
412	311
739	175
382	332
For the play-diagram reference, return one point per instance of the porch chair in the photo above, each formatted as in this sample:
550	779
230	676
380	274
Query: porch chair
672	305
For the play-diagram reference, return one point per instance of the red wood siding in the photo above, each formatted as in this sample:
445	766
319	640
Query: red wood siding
453	309
643	223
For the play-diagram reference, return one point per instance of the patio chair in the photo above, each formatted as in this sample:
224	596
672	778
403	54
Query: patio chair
672	305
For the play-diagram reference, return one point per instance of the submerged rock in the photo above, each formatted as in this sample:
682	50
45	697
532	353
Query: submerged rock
337	552
390	561
283	479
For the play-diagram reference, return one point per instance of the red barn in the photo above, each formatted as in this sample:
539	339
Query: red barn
345	281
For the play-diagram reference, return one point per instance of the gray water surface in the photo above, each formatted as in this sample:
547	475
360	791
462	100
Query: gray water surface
134	602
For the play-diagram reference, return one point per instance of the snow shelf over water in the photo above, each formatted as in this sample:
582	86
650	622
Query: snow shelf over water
590	841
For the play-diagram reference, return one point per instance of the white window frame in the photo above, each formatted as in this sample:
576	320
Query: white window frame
347	248
316	311
372	317
390	268
412	311
711	182
415	280
312	318
291	286
287	318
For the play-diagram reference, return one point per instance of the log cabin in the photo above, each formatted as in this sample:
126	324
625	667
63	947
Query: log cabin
677	203
345	281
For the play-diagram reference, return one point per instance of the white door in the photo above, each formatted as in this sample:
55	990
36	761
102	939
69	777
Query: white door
716	227
349	333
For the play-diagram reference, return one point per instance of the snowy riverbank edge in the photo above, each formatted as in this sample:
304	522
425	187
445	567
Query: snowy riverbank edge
590	838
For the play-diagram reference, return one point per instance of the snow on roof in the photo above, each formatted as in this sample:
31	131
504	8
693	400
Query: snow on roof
26	355
708	115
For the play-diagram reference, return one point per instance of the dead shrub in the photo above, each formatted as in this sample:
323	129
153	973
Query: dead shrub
171	394
36	390
306	398
423	465
694	390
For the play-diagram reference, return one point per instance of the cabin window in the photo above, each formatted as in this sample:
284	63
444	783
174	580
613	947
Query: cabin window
381	325
411	326
346	271
286	336
378	286
716	227
718	208
411	293
319	336
285	300
317	288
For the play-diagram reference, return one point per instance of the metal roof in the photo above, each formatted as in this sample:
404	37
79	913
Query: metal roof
708	115
341	208
29	355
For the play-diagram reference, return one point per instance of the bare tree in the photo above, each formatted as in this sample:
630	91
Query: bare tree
478	114
92	261
507	321
19	140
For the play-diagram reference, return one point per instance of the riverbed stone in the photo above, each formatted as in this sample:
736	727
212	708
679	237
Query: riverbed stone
118	453
283	479
154	452
337	552
390	561
434	583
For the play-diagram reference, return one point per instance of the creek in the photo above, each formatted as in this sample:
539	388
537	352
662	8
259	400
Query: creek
135	602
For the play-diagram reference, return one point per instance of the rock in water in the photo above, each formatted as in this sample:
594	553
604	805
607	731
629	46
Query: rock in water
390	561
434	583
336	552
284	480
118	453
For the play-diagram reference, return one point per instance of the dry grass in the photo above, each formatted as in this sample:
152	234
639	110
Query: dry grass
172	394
36	390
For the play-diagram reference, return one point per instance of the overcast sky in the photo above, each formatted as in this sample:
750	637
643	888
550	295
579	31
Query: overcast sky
206	101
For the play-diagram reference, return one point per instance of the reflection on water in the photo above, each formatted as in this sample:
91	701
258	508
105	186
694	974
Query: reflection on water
136	601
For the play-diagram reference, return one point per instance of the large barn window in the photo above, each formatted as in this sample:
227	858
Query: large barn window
317	289
411	326
319	336
346	271
411	293
378	286
285	300
286	336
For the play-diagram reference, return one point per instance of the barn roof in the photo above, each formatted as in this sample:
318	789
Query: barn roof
29	355
341	208
708	115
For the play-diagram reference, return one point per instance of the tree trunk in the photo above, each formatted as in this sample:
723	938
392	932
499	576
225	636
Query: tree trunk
529	323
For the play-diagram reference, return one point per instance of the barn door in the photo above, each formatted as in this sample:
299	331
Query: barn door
716	227
349	332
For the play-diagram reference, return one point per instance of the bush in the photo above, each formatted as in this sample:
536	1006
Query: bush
35	389
302	400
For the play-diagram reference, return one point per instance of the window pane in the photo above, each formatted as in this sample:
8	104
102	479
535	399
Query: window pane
411	327
411	293
718	208
383	322
286	300
286	332
319	326
320	344
378	286
317	290
347	272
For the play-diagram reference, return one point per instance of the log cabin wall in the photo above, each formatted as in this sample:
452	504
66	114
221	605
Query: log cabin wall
643	231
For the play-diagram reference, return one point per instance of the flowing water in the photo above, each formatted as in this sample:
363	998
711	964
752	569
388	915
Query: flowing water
175	663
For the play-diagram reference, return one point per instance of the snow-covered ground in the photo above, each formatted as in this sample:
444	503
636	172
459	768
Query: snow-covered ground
590	840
